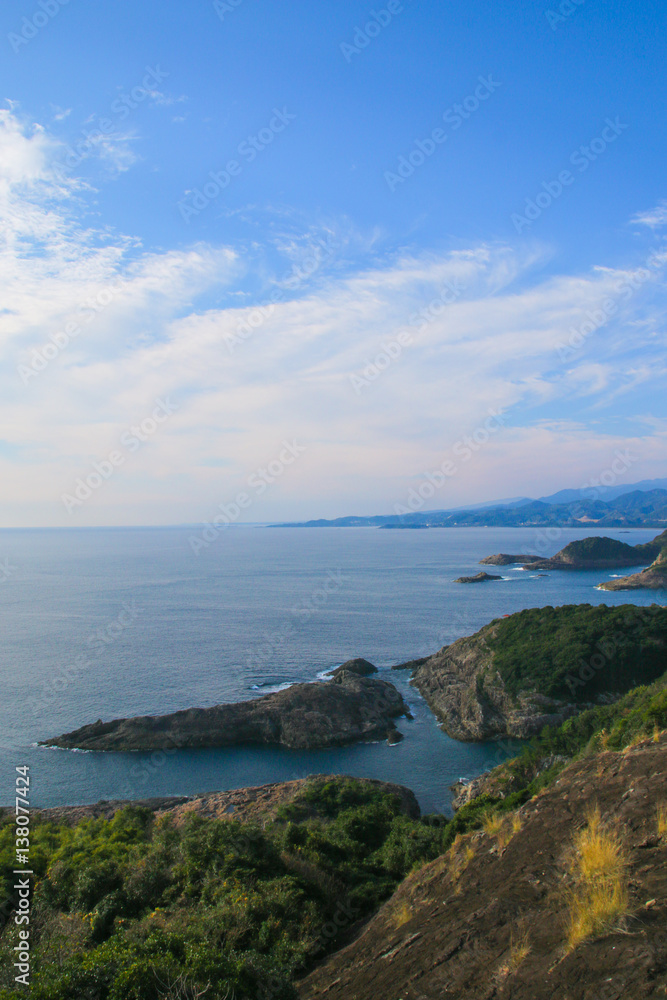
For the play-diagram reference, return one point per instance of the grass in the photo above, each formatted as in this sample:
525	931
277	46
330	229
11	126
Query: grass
662	819
599	897
519	951
402	914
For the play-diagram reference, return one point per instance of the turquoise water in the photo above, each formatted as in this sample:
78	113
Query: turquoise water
102	623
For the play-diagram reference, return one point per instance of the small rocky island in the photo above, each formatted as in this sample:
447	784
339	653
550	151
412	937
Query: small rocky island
350	708
478	578
505	559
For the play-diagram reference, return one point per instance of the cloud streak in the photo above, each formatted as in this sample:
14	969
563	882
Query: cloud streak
147	330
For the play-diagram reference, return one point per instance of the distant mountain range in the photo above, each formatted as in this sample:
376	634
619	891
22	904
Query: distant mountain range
634	505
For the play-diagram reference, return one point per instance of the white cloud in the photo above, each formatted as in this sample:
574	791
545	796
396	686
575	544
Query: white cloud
484	334
655	217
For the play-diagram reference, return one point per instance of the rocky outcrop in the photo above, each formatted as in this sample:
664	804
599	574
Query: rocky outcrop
247	805
503	780
592	553
478	578
347	709
468	696
488	920
654	577
504	559
359	666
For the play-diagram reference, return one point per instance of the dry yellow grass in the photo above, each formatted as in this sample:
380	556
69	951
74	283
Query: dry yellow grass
520	949
656	733
599	898
493	823
662	819
402	914
517	823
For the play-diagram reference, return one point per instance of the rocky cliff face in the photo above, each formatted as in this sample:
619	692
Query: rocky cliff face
348	709
654	577
455	927
469	697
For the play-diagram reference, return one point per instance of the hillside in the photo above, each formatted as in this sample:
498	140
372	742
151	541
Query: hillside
594	552
540	666
551	901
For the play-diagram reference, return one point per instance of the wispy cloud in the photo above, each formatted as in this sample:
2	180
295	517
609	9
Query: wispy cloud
493	344
655	218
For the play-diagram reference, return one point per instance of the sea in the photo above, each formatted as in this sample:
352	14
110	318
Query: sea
102	623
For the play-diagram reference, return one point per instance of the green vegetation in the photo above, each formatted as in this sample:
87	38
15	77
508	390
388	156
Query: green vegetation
637	716
598	547
616	647
139	909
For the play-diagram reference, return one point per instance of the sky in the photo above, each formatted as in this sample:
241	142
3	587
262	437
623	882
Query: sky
271	262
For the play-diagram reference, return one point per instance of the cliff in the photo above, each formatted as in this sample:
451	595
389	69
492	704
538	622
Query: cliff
347	709
654	577
541	666
489	919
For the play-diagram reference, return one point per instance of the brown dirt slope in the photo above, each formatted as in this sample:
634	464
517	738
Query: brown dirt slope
449	929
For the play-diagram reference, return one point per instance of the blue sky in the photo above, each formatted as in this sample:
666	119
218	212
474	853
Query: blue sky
241	207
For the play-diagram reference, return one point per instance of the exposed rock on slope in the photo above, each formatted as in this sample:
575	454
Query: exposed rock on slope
654	577
523	671
455	927
347	709
469	697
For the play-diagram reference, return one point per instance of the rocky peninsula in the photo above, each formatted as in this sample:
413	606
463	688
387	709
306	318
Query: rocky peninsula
594	552
654	577
351	707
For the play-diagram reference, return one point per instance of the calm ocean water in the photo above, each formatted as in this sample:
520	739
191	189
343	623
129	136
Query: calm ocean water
102	623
